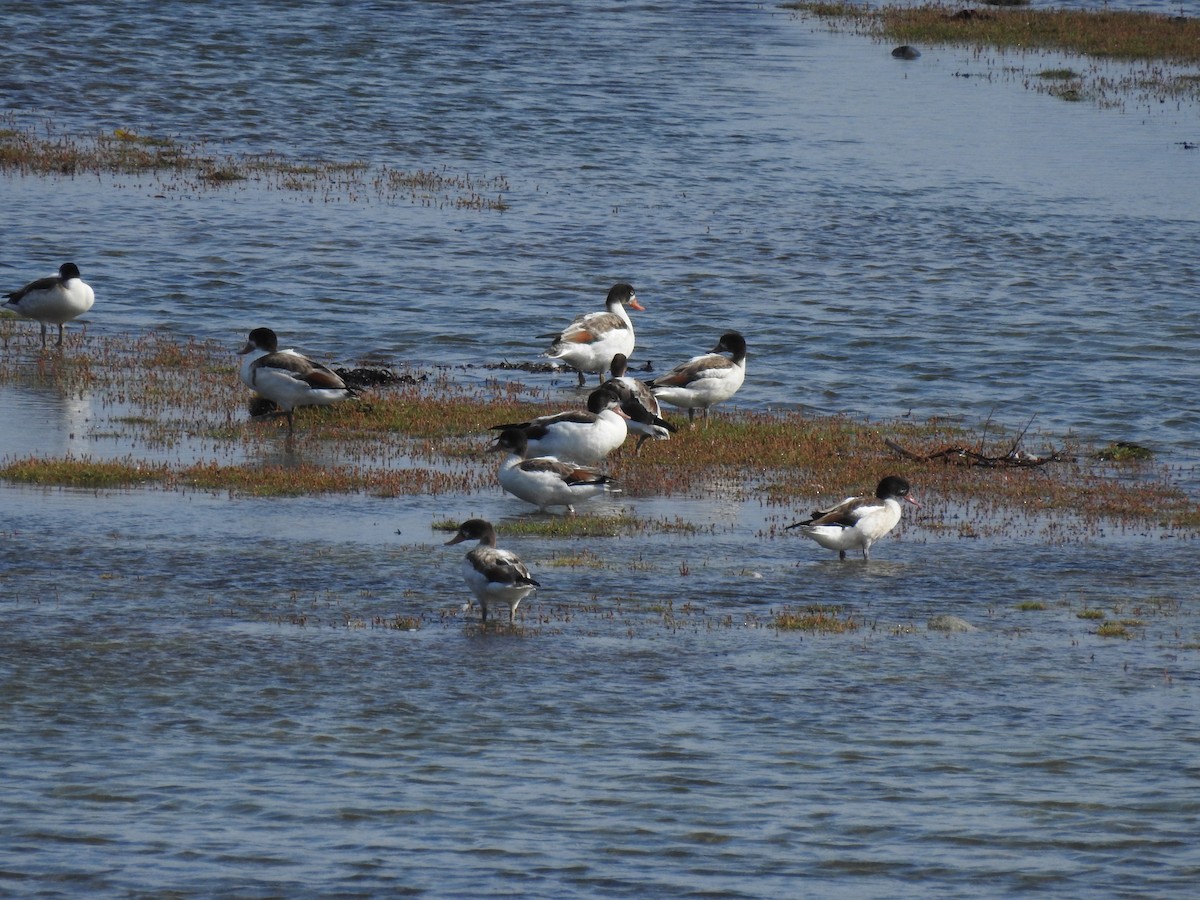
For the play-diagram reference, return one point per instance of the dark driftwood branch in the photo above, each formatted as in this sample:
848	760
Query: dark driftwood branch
964	457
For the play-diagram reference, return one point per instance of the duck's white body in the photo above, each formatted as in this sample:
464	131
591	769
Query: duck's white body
591	341
858	522
491	574
288	378
545	481
289	388
256	348
578	436
704	381
53	301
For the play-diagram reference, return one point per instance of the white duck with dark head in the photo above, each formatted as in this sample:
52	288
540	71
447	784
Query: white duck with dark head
543	480
580	436
591	341
704	381
287	378
54	300
858	522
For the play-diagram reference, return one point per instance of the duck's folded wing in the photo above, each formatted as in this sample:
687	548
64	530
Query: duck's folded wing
693	370
572	475
536	428
42	284
510	569
845	514
323	377
590	327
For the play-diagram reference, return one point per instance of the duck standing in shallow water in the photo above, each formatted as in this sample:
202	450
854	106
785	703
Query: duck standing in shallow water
493	575
858	522
55	300
704	381
639	404
287	378
545	481
590	342
580	436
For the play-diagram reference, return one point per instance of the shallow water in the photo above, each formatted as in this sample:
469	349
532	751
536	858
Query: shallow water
199	696
201	693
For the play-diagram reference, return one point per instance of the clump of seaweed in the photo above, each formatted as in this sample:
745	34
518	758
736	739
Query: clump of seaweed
821	618
176	165
1124	451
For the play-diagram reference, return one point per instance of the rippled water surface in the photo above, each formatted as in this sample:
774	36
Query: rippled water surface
203	694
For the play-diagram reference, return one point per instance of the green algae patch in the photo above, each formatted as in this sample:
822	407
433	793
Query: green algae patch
1123	452
818	618
86	473
1058	74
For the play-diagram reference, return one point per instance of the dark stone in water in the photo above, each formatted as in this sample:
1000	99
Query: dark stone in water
373	376
906	52
971	14
519	366
261	406
950	624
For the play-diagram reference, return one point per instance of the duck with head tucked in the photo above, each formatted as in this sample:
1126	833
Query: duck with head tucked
54	300
543	480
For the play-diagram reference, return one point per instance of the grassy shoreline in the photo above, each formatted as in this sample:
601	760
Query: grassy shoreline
1112	34
427	436
1167	46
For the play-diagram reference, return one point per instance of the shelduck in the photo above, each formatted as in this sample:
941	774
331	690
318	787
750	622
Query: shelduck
543	480
491	574
858	522
287	378
704	381
54	300
591	341
580	436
